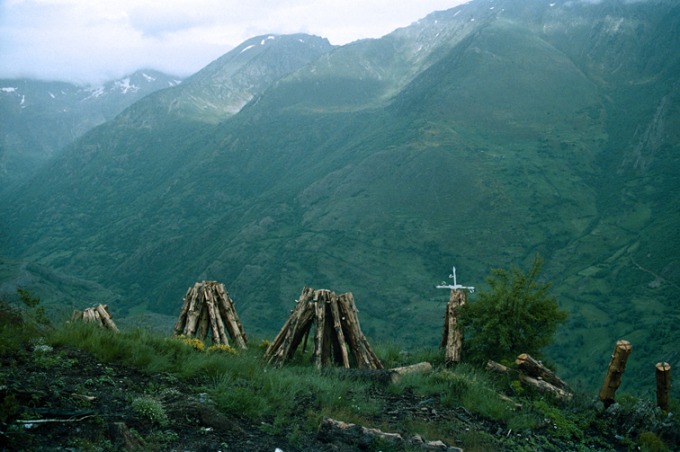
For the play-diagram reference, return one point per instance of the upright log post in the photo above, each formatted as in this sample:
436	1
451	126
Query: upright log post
663	385
452	339
617	365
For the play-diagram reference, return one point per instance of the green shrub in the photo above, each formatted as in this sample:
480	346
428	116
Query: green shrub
562	425
650	442
150	409
516	315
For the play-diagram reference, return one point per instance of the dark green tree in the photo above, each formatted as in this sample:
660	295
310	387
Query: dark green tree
515	315
33	302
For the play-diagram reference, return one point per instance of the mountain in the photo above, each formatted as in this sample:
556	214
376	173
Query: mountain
226	85
39	118
476	137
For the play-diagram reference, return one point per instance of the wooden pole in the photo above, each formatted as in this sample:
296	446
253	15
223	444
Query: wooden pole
617	365
663	385
452	339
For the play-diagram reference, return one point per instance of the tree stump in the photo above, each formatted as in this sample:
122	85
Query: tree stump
99	315
663	385
208	309
337	336
452	339
617	365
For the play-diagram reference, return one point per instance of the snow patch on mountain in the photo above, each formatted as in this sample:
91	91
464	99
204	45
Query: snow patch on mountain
125	86
268	38
8	89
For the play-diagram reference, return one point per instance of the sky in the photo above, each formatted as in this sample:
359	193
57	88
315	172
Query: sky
93	41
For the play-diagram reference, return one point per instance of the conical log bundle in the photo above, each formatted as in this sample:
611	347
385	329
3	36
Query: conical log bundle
337	334
207	309
99	315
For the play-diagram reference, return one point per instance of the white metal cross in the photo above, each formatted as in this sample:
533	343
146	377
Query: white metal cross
455	285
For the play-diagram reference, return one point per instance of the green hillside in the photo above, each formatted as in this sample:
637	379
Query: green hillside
375	168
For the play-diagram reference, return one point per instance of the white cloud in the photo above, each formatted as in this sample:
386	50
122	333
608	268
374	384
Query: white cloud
94	40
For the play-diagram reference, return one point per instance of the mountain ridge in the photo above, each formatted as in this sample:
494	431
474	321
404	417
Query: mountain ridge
42	117
515	138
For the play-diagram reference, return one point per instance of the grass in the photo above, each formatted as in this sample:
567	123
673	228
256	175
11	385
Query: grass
292	400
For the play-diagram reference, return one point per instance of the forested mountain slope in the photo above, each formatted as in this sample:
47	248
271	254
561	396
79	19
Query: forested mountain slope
476	137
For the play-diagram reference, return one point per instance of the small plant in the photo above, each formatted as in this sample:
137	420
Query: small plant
650	442
222	348
150	409
192	341
562	425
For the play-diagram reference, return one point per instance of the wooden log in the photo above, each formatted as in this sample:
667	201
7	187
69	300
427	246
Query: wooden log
77	315
212	314
297	326
452	340
663	385
97	318
420	368
203	322
319	311
617	366
107	321
337	326
332	430
88	315
193	313
545	387
230	318
377	376
182	318
364	355
497	367
364	438
536	369
278	340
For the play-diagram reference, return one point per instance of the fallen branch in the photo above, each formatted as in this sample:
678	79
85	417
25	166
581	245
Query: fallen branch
47	421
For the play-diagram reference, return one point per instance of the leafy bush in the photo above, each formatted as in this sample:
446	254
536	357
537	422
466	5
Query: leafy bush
516	315
150	409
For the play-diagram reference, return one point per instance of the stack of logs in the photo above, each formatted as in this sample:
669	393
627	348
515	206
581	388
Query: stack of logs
534	374
98	315
337	333
207	308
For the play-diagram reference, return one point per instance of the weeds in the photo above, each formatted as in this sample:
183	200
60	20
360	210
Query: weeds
241	385
150	409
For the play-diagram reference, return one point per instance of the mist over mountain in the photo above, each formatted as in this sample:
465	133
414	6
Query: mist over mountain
476	137
39	118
